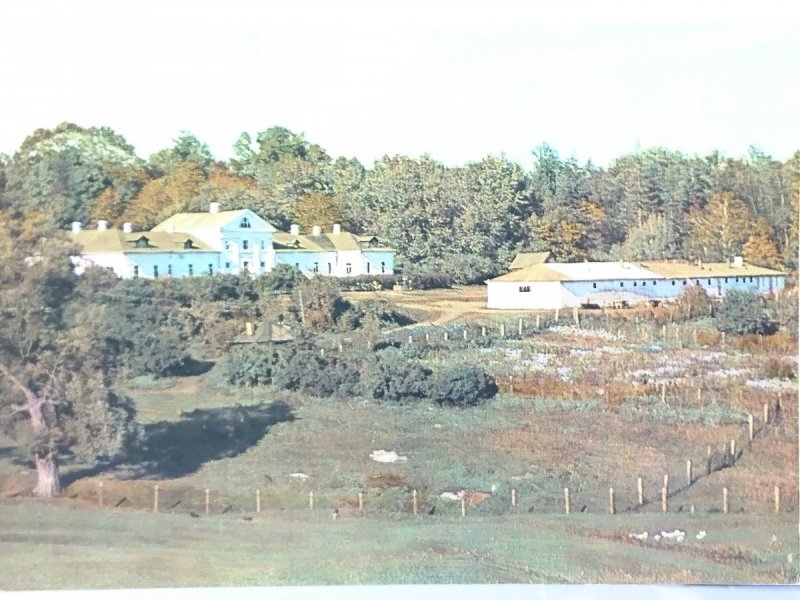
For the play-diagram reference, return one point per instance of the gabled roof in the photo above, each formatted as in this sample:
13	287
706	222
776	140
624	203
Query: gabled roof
207	220
538	272
324	242
527	259
681	269
113	240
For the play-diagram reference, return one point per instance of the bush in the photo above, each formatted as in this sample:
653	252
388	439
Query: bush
784	308
422	277
300	367
742	313
248	365
283	278
462	385
693	301
367	283
395	378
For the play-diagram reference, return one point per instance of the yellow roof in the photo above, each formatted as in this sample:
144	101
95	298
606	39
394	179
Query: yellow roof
199	220
690	270
113	240
539	272
527	259
323	242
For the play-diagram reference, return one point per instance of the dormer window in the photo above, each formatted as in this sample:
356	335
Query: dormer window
245	245
373	242
188	244
244	223
296	244
142	242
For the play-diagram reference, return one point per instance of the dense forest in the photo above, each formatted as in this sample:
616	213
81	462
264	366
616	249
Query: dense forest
466	221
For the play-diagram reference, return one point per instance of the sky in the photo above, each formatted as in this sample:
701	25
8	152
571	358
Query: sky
454	80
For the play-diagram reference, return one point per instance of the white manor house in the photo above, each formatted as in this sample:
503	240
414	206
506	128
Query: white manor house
234	241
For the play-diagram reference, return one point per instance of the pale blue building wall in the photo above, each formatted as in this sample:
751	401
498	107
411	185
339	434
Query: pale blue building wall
379	262
189	264
671	288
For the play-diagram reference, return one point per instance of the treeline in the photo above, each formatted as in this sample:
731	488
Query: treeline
464	222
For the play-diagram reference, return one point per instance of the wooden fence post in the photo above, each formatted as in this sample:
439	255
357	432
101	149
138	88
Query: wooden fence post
640	490
566	501
310	500
723	339
612	508
258	501
538	321
513	497
733	452
664	393
576	316
766	414
666	483
557	314
410	340
414	501
427	338
688	472
465	335
502	330
694	336
155	498
708	462
208	492
750	427
520	328
100	495
483	330
463	507
445	336
322	352
341	347
663	499
777	499
725	500
360	502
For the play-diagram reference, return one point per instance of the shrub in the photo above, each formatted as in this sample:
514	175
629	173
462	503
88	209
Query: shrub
366	283
283	278
742	313
395	378
462	385
422	277
777	368
693	302
248	365
785	311
300	367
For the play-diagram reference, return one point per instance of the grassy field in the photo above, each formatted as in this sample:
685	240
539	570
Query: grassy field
580	408
83	548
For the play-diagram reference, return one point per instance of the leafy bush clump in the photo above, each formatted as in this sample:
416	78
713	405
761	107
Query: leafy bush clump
462	385
742	313
248	365
395	378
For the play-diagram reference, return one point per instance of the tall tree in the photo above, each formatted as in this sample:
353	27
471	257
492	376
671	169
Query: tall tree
759	248
53	397
719	230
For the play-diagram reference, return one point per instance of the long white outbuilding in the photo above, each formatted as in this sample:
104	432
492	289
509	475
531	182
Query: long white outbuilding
561	285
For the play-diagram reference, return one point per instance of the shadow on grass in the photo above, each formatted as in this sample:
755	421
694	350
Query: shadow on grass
178	448
194	367
169	449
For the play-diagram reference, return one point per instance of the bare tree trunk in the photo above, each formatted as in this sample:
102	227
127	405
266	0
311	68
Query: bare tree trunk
48	484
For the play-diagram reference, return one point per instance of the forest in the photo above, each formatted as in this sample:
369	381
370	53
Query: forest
466	222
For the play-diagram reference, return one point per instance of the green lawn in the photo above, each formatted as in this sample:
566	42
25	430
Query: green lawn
83	548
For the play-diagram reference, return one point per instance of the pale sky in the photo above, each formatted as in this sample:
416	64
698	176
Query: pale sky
455	80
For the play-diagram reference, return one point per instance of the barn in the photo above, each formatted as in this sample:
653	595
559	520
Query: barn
561	285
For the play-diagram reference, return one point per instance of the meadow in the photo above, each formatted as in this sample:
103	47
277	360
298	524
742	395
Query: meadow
587	406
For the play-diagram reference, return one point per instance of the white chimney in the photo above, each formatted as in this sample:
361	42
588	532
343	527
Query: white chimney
213	207
337	228
315	230
738	261
76	226
102	225
127	228
294	229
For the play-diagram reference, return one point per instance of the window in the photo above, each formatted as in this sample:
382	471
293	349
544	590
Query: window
709	282
228	265
316	267
654	282
262	244
135	271
169	270
726	280
737	280
246	267
296	265
142	242
155	271
673	282
684	282
349	269
621	284
191	270
227	245
644	283
188	244
524	288
635	284
262	264
210	269
751	280
244	223
367	268
697	282
245	245
383	267
594	285
330	267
